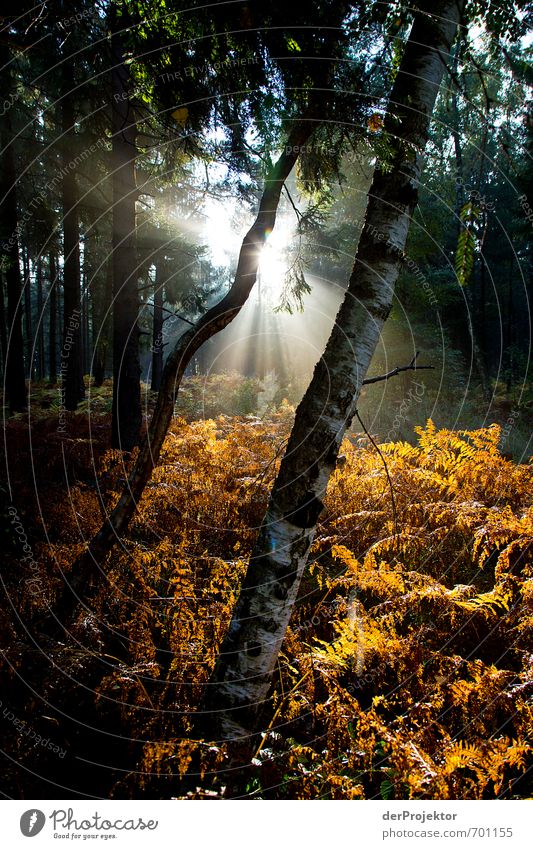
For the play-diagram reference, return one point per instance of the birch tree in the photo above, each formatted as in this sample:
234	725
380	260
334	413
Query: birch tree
241	680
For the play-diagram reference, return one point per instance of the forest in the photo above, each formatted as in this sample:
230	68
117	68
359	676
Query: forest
266	507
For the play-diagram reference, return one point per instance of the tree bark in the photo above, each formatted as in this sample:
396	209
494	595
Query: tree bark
236	694
509	336
127	414
3	335
157	333
87	567
41	364
28	323
85	323
71	365
14	376
477	349
52	337
101	312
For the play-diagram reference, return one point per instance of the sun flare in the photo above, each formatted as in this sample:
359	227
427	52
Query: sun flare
272	268
274	262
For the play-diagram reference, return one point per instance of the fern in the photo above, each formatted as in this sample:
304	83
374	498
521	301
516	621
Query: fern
466	244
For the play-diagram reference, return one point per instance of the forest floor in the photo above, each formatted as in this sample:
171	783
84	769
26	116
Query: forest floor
407	670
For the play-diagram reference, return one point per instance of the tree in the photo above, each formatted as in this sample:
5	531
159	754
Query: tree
3	336
52	295
239	686
472	198
464	211
157	331
213	321
303	111
127	416
71	360
9	249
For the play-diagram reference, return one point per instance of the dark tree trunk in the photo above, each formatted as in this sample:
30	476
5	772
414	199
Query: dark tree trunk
101	311
236	694
28	323
477	350
127	415
157	335
482	305
9	248
88	333
509	324
86	343
71	364
60	318
52	338
3	337
41	364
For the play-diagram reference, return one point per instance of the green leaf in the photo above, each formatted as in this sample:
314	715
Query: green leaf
293	46
386	789
465	254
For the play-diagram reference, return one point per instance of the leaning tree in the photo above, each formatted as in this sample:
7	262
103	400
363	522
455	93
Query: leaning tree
309	97
239	686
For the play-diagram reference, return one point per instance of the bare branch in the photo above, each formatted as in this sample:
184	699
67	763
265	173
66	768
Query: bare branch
177	315
411	367
389	479
297	211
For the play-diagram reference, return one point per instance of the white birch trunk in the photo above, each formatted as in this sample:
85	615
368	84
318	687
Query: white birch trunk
241	681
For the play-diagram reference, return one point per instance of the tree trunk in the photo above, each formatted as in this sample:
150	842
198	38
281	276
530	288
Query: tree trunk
71	366
509	325
41	365
127	415
60	303
3	336
88	565
86	336
15	383
52	338
101	311
157	335
237	691
482	305
28	323
477	349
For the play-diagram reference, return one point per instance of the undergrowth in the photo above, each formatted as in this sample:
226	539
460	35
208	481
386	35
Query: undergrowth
407	669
